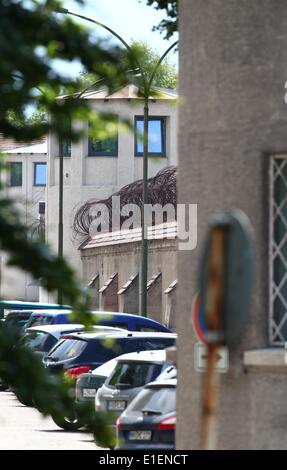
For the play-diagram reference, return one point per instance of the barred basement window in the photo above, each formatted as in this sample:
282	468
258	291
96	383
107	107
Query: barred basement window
278	250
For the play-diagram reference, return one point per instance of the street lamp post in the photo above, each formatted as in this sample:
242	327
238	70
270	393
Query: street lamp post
147	87
60	222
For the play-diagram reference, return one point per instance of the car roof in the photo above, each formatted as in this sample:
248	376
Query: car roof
162	383
21	305
106	368
119	315
51	312
124	334
56	330
158	355
66	327
18	313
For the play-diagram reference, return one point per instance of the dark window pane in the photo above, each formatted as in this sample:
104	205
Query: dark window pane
15	174
107	146
162	400
133	374
40	174
67	349
156	136
65	147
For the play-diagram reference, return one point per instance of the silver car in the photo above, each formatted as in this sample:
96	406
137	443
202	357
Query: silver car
132	372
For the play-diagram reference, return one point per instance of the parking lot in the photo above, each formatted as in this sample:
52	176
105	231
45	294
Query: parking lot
24	428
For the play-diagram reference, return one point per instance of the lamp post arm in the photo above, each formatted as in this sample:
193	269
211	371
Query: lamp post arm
157	67
110	30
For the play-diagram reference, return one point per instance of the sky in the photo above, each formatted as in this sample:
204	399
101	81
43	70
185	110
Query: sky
131	19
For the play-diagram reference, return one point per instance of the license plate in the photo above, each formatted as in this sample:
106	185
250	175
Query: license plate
116	405
140	436
89	392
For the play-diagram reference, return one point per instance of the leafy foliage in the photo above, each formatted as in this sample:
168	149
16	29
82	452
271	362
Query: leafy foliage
32	35
168	25
148	57
31	38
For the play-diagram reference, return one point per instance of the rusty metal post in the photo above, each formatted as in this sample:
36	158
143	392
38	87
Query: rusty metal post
214	307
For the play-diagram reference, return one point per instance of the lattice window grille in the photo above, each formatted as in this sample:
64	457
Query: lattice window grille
278	251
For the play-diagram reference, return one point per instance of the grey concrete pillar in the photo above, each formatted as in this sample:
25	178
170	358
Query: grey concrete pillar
233	66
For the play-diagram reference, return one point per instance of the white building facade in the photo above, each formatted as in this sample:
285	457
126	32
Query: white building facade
95	169
25	183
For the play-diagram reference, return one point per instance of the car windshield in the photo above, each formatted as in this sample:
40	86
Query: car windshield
133	374
67	348
154	401
39	319
39	340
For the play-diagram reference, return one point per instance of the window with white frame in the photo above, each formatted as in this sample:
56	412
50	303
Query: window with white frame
278	250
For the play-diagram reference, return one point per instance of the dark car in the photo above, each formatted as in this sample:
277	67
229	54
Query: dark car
149	421
127	321
15	319
18	318
41	339
78	353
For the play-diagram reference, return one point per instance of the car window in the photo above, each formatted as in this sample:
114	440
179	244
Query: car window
67	348
39	340
151	344
148	329
18	321
39	320
157	400
133	374
119	325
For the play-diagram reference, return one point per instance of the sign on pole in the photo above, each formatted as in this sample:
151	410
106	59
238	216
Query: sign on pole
225	284
226	277
201	357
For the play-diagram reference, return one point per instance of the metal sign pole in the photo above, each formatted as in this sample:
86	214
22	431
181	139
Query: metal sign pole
214	308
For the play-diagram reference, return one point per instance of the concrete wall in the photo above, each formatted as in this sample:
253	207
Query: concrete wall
233	67
125	259
16	284
87	177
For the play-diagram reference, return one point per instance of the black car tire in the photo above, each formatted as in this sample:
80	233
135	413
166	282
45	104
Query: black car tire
68	423
24	399
3	387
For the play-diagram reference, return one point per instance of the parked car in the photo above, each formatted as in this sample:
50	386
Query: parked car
88	384
149	421
121	320
18	318
7	306
85	390
132	372
168	373
41	339
78	353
